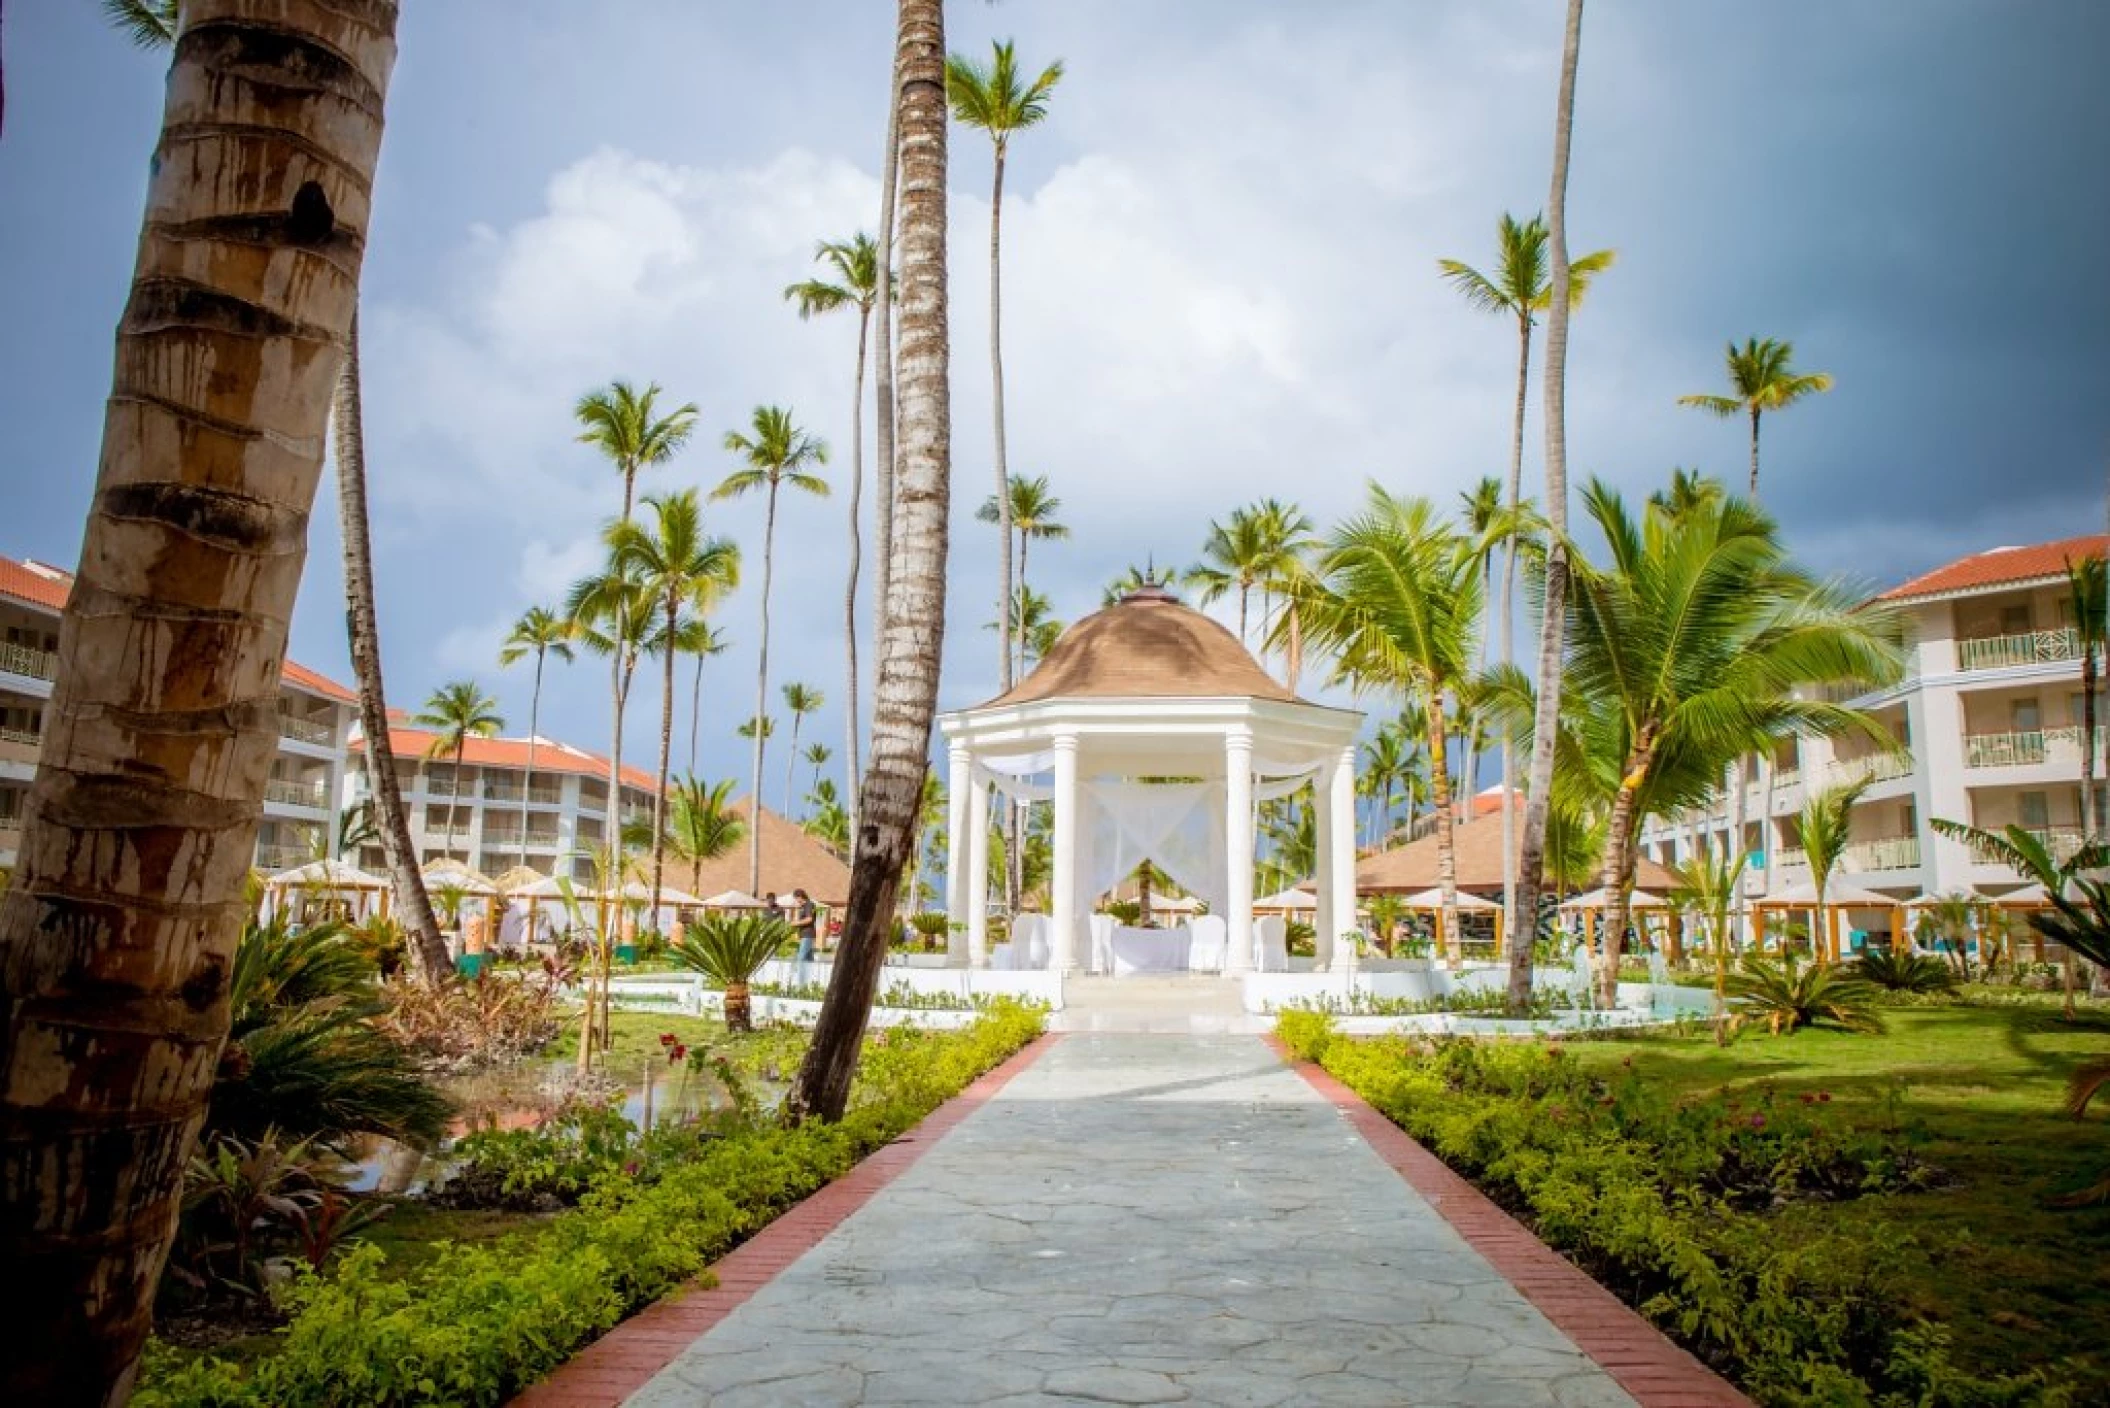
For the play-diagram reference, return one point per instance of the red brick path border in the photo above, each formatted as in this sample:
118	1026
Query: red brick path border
1635	1353
622	1361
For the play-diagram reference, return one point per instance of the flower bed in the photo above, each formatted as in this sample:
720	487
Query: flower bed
1671	1205
474	1324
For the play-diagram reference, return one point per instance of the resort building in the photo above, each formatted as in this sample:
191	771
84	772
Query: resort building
316	715
491	815
1987	728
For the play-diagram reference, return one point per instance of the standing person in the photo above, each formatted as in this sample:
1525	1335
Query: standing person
806	919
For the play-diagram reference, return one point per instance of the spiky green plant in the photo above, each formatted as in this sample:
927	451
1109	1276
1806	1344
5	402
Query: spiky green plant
727	949
1789	995
1905	972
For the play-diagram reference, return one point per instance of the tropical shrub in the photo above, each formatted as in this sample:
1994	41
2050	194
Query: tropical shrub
1127	913
1792	994
931	926
483	1021
474	1324
1905	972
304	1054
727	949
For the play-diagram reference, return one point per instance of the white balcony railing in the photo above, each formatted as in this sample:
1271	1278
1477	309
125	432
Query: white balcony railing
2025	648
282	857
1889	853
28	660
29	736
306	730
1874	767
2061	841
1791	857
2002	750
297	794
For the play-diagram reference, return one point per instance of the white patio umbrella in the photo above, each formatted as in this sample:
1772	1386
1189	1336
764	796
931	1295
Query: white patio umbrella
1294	900
1468	903
1602	898
732	899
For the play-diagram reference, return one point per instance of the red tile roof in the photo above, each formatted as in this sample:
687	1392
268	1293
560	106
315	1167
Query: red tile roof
550	755
42	585
1999	566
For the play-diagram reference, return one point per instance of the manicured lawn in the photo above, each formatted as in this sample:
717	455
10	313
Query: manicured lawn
634	1035
2016	1280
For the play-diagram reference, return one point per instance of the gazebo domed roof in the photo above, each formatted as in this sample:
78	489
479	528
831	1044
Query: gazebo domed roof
1146	646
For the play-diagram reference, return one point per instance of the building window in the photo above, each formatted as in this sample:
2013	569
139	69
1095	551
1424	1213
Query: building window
2034	810
2023	716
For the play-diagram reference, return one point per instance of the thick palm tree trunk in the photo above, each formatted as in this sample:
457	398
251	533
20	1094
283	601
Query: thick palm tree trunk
119	928
754	832
857	488
666	755
1446	831
905	690
1552	624
1618	871
883	451
398	851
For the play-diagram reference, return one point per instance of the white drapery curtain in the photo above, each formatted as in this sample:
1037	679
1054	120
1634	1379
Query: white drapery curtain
1178	826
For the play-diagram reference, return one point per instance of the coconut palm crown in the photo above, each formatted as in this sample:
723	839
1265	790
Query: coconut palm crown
1762	380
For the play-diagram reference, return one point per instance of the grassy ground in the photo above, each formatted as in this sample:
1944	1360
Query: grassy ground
2016	1280
633	1035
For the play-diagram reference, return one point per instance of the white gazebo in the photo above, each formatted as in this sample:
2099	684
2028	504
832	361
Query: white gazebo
1154	734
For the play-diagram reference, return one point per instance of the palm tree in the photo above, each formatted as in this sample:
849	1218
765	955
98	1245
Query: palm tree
1396	599
456	713
817	756
826	821
1827	828
1708	884
1519	287
1132	580
1033	510
856	266
1760	375
702	824
1560	296
777	454
997	101
1689	489
1689	643
1285	531
138	831
800	700
905	689
622	423
747	729
682	572
2086	581
539	632
1238	555
702	640
151	24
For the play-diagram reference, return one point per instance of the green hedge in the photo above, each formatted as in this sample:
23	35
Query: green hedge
476	1324
1666	1204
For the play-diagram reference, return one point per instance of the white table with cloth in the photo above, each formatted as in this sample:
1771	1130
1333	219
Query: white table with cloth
1151	950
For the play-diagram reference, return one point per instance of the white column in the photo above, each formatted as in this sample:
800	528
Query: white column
1238	848
977	874
959	782
1341	877
1063	889
1323	847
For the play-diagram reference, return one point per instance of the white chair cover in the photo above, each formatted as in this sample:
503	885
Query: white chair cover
1000	958
1205	951
1271	937
1029	941
1102	959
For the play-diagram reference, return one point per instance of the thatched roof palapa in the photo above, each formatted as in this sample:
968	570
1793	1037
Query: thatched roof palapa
1478	846
791	860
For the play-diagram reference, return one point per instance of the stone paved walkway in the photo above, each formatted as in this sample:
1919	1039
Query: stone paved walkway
1144	1219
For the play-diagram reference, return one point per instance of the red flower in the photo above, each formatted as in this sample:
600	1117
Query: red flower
1825	1096
666	1038
677	1052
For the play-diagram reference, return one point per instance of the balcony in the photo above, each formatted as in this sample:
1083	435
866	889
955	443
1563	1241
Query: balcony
2027	648
302	730
2026	747
2061	841
297	794
28	660
1889	853
1874	767
510	840
446	830
276	858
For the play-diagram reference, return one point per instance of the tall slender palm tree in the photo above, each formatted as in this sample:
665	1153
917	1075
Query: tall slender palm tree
1236	556
856	285
1132	580
778	454
1033	510
1396	598
682	571
456	713
1286	533
1708	884
799	701
997	99
151	24
624	424
817	756
1560	295
2086	580
1520	286
1762	380
1481	510
905	688
1827	830
612	616
140	826
1692	639
540	632
702	640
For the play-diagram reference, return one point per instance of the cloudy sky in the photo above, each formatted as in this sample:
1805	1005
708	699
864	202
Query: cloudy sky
1220	263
